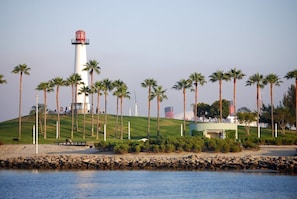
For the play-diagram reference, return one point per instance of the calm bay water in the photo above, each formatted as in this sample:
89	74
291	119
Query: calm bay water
145	184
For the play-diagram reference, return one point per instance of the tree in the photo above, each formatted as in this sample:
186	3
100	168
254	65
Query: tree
293	75
257	79
159	93
183	85
246	118
150	84
98	87
58	82
45	87
2	81
289	102
203	111
235	75
84	90
74	80
283	117
107	86
219	76
215	107
196	78
122	92
92	66
117	84
272	80
21	69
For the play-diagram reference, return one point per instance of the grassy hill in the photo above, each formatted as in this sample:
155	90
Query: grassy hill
168	128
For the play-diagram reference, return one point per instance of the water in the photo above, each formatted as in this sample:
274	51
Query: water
145	184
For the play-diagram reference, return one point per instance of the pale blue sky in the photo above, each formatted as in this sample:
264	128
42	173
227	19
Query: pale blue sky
133	40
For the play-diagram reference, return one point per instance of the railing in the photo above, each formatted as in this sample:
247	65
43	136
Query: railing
86	42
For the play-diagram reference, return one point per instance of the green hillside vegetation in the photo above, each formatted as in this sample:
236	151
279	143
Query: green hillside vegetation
169	128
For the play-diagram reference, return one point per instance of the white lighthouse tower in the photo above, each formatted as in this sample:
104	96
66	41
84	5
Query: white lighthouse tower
80	60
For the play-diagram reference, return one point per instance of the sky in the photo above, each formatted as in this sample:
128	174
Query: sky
133	40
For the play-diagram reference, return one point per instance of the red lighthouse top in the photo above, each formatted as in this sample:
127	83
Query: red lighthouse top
80	38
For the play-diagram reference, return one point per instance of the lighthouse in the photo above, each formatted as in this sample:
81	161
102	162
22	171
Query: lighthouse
80	42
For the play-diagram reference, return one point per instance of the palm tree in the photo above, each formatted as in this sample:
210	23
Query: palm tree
160	94
272	79
84	90
107	86
45	87
98	87
117	84
293	75
2	81
257	79
122	93
219	76
21	69
58	81
92	66
73	80
196	78
150	84
235	75
183	85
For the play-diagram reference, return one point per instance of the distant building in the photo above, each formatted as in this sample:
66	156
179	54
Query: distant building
169	112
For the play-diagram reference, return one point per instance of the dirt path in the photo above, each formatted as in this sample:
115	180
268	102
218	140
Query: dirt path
9	151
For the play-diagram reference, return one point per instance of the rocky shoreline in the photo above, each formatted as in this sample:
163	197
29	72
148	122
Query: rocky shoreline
287	164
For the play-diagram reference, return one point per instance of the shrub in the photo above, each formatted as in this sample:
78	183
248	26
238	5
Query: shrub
170	148
197	133
230	134
121	148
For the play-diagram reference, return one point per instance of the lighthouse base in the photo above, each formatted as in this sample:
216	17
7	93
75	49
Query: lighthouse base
82	108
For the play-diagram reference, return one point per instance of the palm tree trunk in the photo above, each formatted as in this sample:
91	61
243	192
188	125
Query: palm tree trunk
84	131
44	95
196	102
296	104
221	107
149	115
117	119
158	116
76	114
234	95
20	107
58	110
122	130
72	111
105	108
92	105
258	110
98	113
272	109
184	92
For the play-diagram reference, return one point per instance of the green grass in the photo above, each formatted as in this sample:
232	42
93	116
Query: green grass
168	128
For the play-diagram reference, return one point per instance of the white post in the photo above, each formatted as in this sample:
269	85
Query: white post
259	133
276	130
104	128
129	131
181	130
33	134
57	129
36	146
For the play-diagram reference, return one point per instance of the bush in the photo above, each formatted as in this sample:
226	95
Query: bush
230	134
197	133
121	148
170	148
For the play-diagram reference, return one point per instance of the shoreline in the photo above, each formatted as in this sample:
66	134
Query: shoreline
276	158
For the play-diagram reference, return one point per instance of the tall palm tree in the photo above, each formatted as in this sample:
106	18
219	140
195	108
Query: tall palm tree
122	93
92	66
196	78
159	93
21	69
84	90
117	84
257	79
219	76
98	87
2	81
58	82
107	86
183	85
235	75
272	80
293	75
45	87
150	84
73	80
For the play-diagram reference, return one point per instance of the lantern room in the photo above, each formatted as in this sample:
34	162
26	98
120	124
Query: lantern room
80	38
